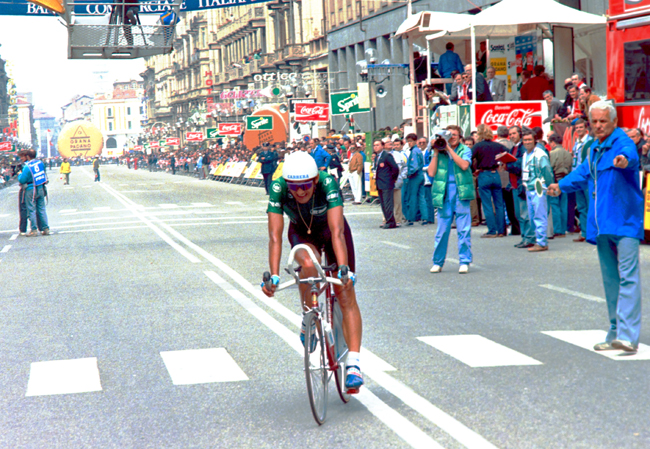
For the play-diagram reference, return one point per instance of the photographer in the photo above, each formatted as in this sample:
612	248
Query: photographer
452	190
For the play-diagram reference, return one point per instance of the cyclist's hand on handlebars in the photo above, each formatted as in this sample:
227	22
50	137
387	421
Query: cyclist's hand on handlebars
346	275
270	283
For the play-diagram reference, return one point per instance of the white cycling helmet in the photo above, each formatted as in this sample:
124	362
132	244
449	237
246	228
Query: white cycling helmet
299	166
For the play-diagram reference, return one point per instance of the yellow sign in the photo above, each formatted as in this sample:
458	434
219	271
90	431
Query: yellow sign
500	65
80	139
256	170
278	171
646	220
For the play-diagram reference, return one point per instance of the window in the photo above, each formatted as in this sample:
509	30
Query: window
637	75
109	112
141	110
129	124
128	111
110	126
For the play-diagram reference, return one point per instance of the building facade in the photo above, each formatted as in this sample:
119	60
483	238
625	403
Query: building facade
79	108
47	133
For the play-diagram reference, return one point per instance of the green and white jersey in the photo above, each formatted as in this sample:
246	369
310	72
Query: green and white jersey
326	196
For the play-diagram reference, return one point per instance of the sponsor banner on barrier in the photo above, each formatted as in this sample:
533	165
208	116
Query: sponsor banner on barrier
238	169
220	169
154	145
194	136
312	112
229	129
173	141
278	171
249	169
516	113
257	170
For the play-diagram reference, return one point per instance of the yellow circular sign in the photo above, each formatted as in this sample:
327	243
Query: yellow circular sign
80	139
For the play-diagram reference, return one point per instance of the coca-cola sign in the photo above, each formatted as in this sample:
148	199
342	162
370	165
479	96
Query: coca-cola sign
312	112
529	114
634	117
173	141
192	136
229	129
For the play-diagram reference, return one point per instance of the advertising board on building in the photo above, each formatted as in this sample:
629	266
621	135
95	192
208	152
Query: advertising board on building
194	136
229	129
5	146
259	123
173	141
631	116
293	101
346	103
312	112
528	113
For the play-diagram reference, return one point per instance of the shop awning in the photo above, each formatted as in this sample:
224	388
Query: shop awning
424	23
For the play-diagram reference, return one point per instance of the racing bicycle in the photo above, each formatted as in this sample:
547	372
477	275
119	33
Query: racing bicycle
325	347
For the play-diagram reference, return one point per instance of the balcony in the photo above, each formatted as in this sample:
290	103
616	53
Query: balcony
246	70
269	60
293	52
234	73
256	65
243	25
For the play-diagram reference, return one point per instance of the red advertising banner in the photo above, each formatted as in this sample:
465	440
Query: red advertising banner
154	145
229	129
312	112
634	117
138	148
5	146
173	141
194	136
513	113
617	7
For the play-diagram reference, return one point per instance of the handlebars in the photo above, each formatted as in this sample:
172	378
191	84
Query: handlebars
322	277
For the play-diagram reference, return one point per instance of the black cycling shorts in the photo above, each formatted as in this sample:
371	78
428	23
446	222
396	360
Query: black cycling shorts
323	237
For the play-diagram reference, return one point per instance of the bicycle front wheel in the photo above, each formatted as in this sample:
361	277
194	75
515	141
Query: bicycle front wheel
315	366
341	351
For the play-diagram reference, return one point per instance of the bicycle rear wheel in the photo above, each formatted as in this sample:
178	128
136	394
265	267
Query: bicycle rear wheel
316	373
341	350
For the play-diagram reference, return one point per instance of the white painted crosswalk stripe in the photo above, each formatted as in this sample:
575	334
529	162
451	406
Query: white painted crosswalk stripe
477	351
199	366
5	249
102	208
13	237
202	205
586	339
63	377
573	293
168	206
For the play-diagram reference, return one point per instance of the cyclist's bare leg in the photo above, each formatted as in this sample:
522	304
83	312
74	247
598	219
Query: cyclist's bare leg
352	325
307	270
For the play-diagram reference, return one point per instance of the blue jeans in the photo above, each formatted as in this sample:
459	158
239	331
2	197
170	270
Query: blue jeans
521	211
558	206
415	199
97	176
619	264
428	198
36	209
582	204
538	212
405	200
453	206
489	189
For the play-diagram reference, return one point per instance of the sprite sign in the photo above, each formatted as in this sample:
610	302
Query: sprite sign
259	123
212	133
346	103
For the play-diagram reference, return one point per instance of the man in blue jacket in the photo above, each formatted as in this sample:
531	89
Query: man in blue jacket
321	156
449	62
33	178
615	222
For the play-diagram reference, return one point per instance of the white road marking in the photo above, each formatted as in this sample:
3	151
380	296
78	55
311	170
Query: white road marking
4	215
234	202
179	182
5	249
142	184
13	237
168	206
221	223
477	351
145	191
63	377
200	366
396	245
123	185
68	188
263	201
103	208
67	211
410	433
102	229
588	338
573	293
202	205
87	187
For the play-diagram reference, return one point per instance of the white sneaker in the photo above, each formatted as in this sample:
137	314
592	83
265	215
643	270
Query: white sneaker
435	269
464	269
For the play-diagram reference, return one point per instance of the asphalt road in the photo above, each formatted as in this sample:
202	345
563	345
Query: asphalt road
139	324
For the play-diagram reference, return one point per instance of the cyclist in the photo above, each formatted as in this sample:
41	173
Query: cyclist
313	203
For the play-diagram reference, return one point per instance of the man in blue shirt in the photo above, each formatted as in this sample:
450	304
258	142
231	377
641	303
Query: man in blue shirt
449	62
321	156
415	186
33	177
615	222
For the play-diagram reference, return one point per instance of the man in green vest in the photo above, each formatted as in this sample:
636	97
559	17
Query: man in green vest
452	190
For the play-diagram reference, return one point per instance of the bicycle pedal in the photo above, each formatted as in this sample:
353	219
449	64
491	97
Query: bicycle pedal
352	391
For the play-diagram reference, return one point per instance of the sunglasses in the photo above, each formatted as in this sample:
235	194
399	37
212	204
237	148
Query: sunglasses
304	186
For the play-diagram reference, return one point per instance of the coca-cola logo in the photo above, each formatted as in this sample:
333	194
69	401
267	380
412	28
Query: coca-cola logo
230	128
193	135
516	117
315	110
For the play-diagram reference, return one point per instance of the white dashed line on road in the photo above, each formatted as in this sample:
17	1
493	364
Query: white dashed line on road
13	237
168	206
101	208
397	245
202	205
5	249
588	338
67	211
234	202
573	293
201	366
63	377
477	351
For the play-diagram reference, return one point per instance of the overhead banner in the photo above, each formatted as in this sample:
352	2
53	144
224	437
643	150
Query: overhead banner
516	113
259	123
229	129
104	7
312	112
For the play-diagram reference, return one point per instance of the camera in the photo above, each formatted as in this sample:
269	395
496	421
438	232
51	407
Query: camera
441	139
